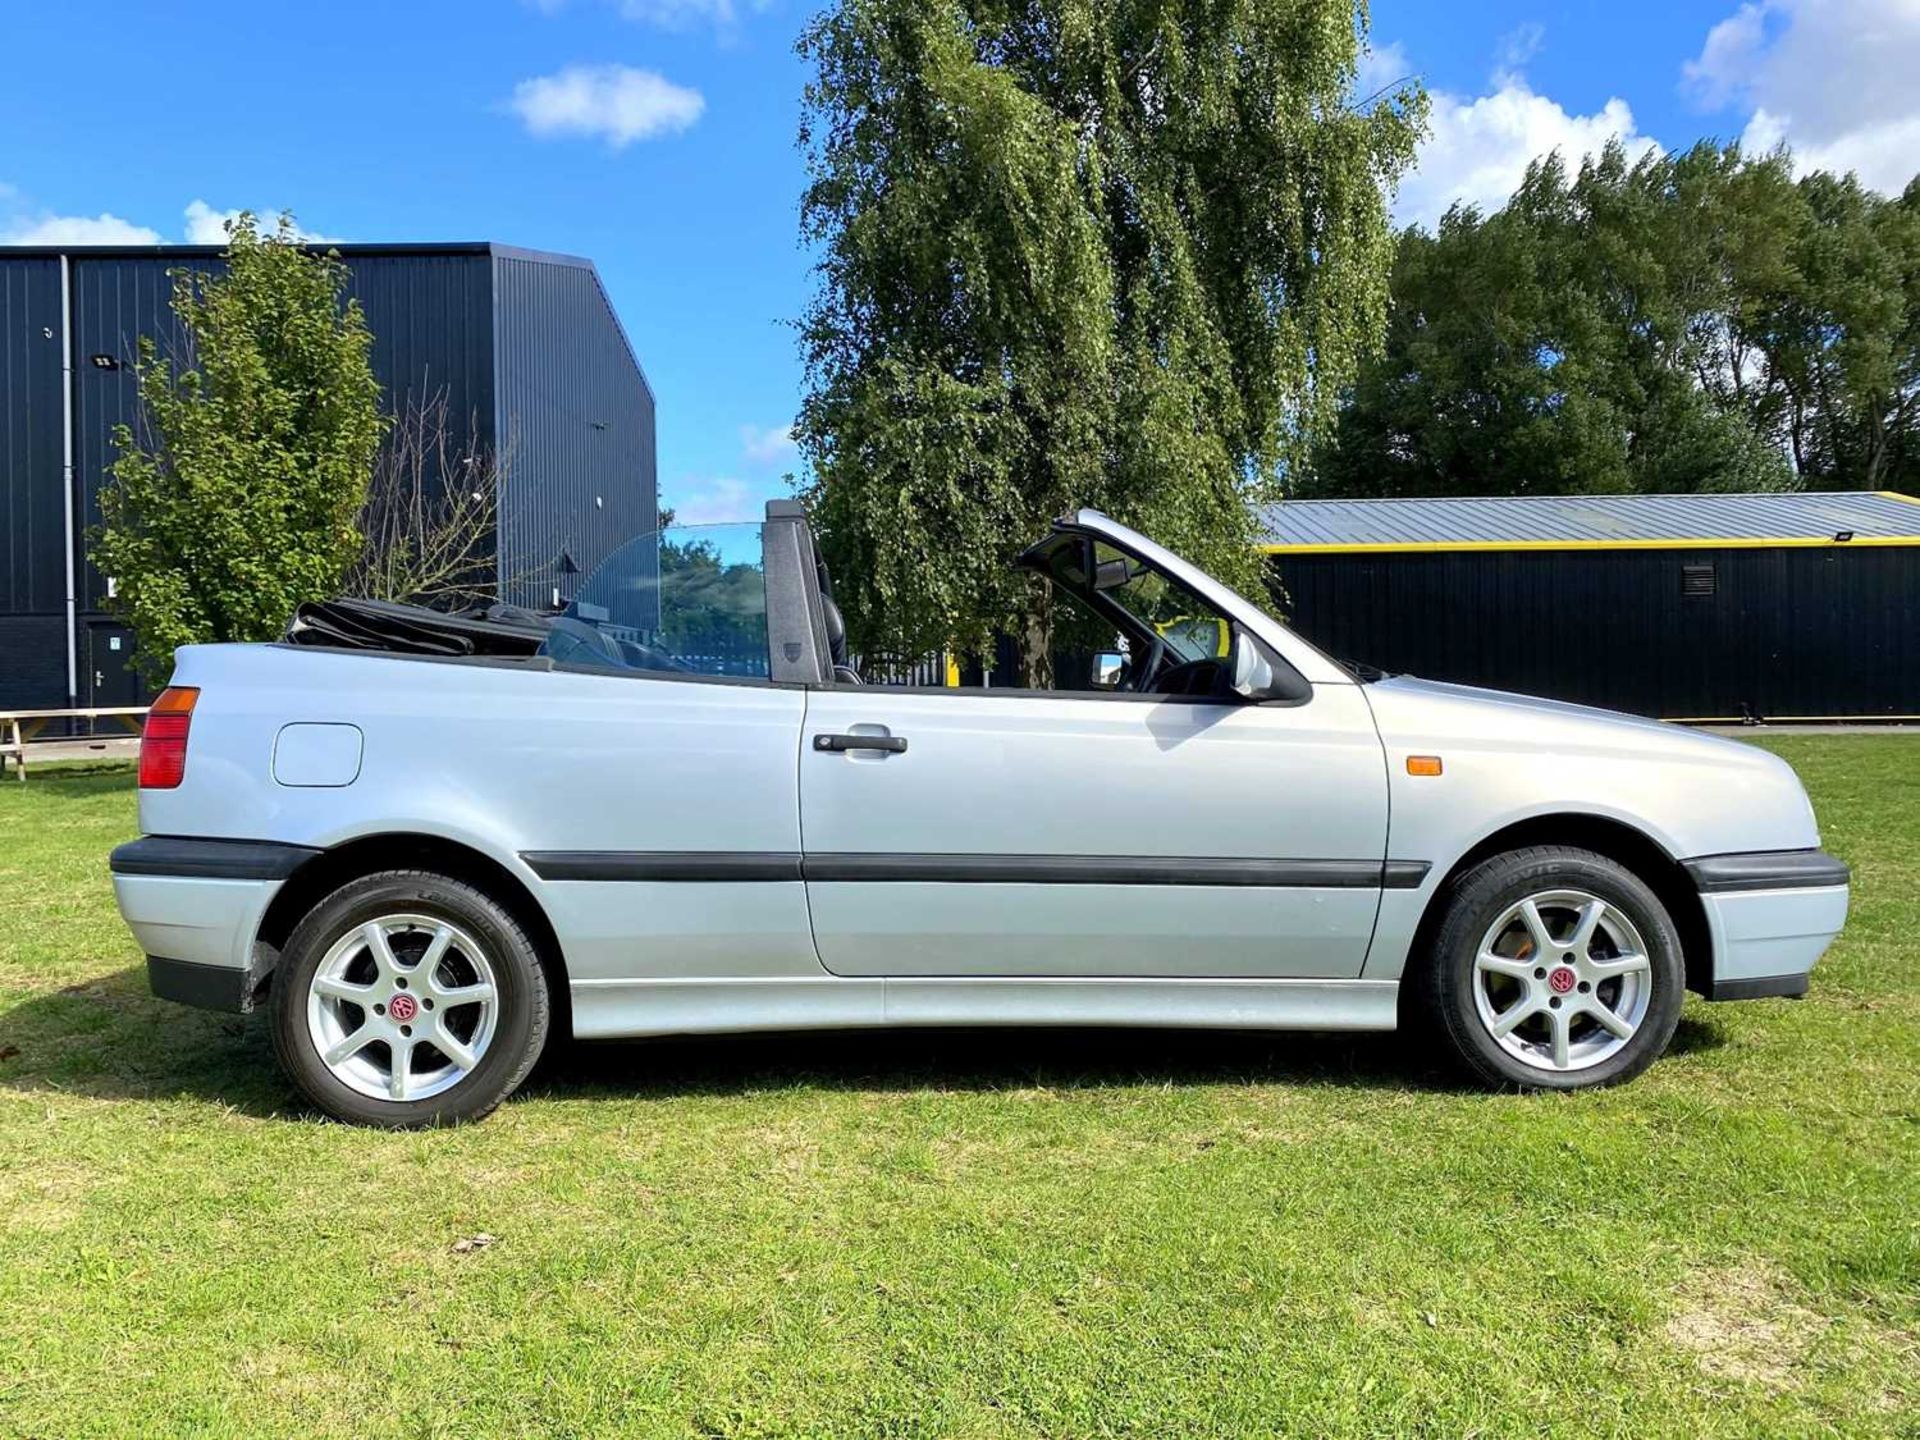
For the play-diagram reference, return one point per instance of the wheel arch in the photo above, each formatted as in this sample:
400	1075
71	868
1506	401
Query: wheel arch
1618	841
371	854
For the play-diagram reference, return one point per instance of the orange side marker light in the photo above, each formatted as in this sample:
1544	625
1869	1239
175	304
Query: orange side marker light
1423	765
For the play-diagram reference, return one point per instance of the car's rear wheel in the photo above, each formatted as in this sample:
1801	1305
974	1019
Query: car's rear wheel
409	999
1554	968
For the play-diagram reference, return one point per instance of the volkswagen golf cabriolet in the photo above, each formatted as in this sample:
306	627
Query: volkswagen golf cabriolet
424	843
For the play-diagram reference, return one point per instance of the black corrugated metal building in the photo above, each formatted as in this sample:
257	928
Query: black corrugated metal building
523	349
1687	607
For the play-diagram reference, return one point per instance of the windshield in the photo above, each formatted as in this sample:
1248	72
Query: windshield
690	598
1193	629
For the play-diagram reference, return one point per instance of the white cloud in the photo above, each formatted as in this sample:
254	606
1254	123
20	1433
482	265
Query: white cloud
22	225
1732	50
101	229
616	101
719	501
1521	44
679	14
208	226
769	445
669	14
1479	147
1831	78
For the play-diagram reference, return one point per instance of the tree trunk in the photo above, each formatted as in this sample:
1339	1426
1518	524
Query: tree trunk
1035	641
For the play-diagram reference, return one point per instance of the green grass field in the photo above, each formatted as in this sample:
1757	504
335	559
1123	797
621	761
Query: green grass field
1091	1233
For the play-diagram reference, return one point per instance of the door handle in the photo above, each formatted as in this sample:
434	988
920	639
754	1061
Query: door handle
837	744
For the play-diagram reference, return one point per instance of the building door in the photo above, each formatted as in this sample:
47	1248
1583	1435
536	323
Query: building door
109	677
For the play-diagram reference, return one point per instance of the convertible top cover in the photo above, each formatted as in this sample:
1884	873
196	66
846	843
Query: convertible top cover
350	624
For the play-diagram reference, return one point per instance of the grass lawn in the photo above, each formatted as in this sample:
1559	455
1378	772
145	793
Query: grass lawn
1089	1233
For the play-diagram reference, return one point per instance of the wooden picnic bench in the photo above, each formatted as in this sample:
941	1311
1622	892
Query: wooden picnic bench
25	730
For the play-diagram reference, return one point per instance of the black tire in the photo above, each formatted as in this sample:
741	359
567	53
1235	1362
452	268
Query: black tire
522	997
1475	901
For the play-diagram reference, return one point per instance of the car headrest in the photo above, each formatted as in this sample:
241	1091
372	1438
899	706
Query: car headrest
836	630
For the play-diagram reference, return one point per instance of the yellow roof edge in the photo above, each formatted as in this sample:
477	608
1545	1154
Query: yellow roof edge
1380	547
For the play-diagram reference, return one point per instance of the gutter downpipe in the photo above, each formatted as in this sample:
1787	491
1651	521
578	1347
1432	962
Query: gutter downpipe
66	471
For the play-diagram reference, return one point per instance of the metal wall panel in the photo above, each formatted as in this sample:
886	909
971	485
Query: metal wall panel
33	513
432	336
33	661
577	443
576	426
116	300
432	321
1821	632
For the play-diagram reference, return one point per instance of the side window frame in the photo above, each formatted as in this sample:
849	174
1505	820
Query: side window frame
797	651
1122	619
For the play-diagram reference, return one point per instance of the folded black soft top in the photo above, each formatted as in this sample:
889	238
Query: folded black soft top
353	624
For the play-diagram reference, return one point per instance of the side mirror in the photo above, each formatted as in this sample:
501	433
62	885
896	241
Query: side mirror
1250	671
1107	666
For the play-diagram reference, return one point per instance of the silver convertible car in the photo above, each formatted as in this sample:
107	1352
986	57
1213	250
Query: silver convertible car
426	842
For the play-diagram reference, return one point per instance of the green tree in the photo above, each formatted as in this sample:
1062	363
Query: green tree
709	604
235	499
1699	321
1840	337
1121	253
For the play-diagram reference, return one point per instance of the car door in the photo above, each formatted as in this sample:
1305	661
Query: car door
997	833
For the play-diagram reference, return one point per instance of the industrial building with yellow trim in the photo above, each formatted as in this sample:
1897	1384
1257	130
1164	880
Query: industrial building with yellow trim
1727	608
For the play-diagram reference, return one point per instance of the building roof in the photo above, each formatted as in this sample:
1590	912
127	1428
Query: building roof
1593	522
347	249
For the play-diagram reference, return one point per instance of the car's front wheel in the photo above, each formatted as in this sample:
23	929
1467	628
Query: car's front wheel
409	999
1554	968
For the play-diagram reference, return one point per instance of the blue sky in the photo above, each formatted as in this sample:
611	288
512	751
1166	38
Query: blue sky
657	137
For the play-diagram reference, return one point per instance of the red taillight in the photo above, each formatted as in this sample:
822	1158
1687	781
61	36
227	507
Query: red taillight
163	743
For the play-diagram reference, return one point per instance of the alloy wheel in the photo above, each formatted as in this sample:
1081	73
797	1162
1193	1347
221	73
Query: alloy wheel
403	1007
1562	981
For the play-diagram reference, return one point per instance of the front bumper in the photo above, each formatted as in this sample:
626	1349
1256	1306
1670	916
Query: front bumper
1771	915
195	907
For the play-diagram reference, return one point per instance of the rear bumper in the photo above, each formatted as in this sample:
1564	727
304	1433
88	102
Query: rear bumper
195	907
209	987
1771	916
1762	987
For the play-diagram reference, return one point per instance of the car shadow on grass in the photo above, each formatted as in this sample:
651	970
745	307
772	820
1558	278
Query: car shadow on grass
914	1060
109	1038
1697	1034
908	1061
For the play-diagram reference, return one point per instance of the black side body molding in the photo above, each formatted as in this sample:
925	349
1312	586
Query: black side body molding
720	866
191	858
1097	870
1766	870
705	865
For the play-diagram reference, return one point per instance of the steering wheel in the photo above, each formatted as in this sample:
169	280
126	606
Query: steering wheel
1143	677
